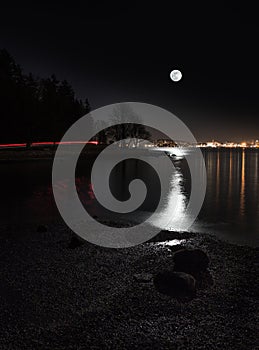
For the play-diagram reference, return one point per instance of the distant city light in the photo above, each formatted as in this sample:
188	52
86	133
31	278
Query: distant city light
229	144
155	143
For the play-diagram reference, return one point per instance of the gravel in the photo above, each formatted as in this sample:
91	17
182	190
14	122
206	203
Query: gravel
53	297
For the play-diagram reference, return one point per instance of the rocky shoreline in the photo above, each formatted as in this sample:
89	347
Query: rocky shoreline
56	297
44	153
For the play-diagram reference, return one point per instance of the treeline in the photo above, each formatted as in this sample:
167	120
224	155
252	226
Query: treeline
35	109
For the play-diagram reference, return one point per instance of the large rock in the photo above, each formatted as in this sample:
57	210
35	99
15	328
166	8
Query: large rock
175	284
191	261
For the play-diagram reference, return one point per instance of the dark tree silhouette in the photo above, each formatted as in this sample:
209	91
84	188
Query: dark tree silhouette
34	109
129	127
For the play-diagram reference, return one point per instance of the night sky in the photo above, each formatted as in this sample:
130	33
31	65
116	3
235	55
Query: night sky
125	53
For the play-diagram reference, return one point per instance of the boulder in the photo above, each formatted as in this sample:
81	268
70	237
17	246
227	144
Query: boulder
175	248
191	261
175	284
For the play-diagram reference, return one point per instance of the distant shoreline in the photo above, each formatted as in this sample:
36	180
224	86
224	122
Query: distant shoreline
34	154
48	153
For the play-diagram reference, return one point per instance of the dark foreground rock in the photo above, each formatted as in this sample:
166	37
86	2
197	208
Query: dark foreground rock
54	298
191	261
175	284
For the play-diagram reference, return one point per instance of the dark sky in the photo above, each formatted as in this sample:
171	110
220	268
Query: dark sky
126	52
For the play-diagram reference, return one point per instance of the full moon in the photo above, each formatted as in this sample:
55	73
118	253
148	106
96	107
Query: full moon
176	75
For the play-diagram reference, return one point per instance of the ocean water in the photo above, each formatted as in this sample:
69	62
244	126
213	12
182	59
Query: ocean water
230	209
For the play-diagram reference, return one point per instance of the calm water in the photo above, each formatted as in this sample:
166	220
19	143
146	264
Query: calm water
230	209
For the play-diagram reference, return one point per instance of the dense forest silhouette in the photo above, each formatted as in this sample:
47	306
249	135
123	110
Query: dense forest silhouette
32	108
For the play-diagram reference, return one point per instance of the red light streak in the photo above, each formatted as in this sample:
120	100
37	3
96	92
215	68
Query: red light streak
13	145
42	143
6	145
